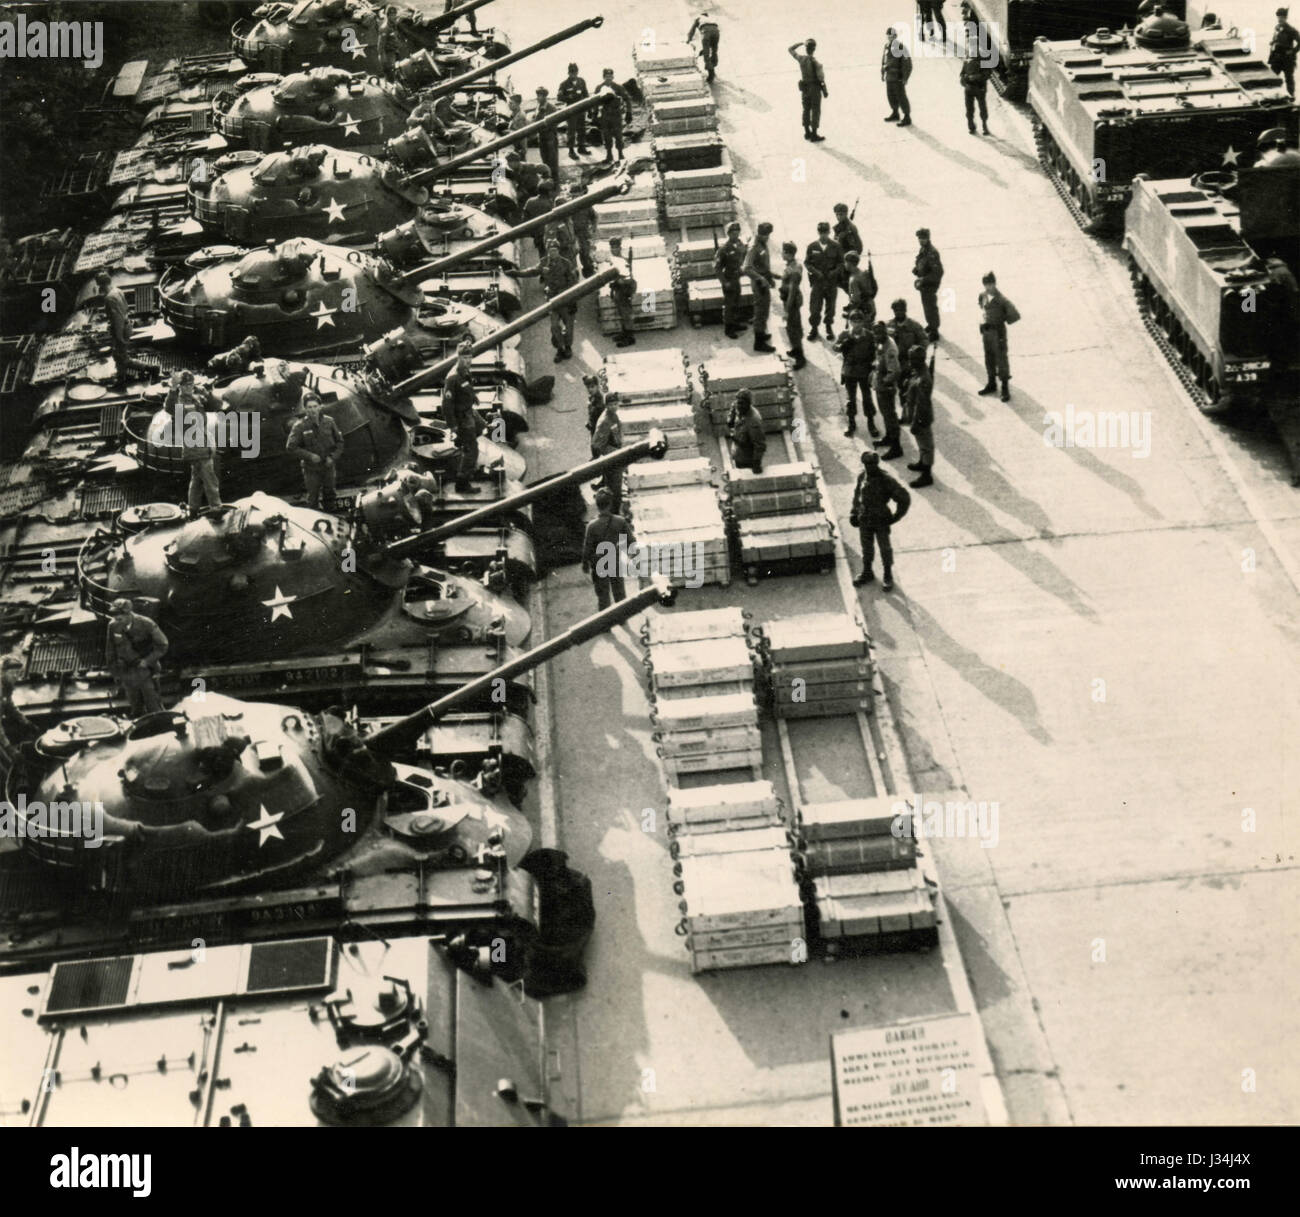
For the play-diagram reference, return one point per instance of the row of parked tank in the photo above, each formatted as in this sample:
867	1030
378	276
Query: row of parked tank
1185	141
351	690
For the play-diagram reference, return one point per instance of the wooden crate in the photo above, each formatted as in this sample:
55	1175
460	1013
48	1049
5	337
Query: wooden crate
700	662
705	713
811	636
688	627
662	477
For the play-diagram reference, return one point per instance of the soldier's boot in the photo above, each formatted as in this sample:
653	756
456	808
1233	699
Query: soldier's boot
892	118
816	138
970	126
872	429
812	334
893	452
991	387
986	129
924	480
867	576
916	466
852	428
887	583
1006	391
830	333
763	344
799	362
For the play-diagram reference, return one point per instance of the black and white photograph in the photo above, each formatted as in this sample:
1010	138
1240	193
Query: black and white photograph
680	564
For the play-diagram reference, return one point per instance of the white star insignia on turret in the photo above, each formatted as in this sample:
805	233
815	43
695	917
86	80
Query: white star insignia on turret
324	316
1231	156
279	605
359	51
334	209
350	127
265	825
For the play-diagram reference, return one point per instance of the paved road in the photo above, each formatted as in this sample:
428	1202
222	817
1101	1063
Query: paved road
1101	640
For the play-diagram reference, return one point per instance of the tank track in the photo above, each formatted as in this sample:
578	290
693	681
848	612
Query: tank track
1041	143
1161	339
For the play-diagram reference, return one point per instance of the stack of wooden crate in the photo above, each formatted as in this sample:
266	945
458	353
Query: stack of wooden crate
652	389
700	198
741	904
685	539
701	669
861	874
693	150
767	377
780	490
683	115
818	665
654	304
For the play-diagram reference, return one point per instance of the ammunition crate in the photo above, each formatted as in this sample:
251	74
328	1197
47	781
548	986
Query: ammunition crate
664	57
858	856
704	299
708	942
689	503
645	477
654	304
661	86
650	245
720	762
700	663
883	902
719	212
629	218
701	844
690	150
729	374
689	627
722	688
641	377
819	672
714	741
739	800
775	503
815	636
696	249
784	538
746	957
822	709
706	713
793	475
745	890
848	818
711	177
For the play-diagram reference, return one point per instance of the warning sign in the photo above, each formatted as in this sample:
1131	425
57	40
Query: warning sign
914	1073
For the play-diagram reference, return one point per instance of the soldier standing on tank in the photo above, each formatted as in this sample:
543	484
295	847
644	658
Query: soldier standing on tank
996	313
930	14
918	413
974	79
615	109
608	538
1283	48
792	299
748	441
812	87
623	290
548	139
870	515
825	261
557	274
471	16
857	349
315	439
460	410
607	437
119	325
927	273
135	649
710	36
573	89
895	69
758	266
238	360
884	379
183	406
727	265
846	232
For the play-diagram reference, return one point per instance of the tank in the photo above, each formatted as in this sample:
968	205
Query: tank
1197	252
1107	108
352	33
1008	28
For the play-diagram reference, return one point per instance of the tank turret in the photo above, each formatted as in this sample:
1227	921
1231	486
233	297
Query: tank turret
261	579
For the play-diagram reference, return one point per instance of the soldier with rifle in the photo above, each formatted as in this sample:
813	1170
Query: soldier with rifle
845	231
758	266
918	414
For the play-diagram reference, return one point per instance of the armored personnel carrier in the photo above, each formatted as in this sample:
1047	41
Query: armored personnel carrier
1114	105
1008	29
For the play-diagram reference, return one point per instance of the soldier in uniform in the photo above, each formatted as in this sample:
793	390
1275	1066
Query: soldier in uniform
927	272
135	648
974	79
812	87
238	360
595	400
119	325
860	287
895	69
623	290
918	413
459	408
846	232
930	13
728	264
607	437
745	431
996	313
574	88
758	266
710	36
824	260
872	518
557	273
1282	49
317	442
884	379
601	557
792	299
548	139
561	230
580	222
516	118
614	111
200	456
906	334
542	202
857	348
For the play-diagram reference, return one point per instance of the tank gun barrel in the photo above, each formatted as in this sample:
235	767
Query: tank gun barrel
456	83
436	372
654	445
572	207
444	21
452	163
660	590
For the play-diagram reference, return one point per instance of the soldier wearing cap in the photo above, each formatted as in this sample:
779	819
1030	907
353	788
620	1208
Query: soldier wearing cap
573	88
557	274
728	265
859	287
580	223
895	68
857	348
824	260
615	109
135	647
792	299
460	409
185	402
758	266
745	431
623	290
119	324
608	538
927	272
846	232
974	80
1282	49
996	313
871	516
607	437
548	139
812	87
885	378
906	332
318	443
918	413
